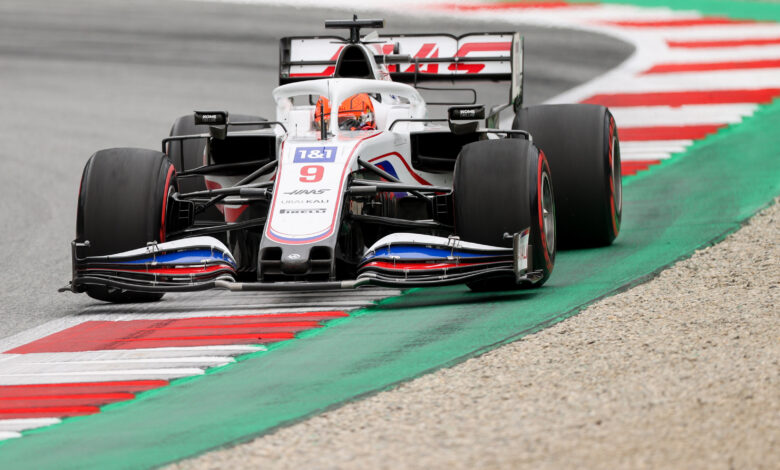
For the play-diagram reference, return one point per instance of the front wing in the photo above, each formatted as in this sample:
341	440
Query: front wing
398	260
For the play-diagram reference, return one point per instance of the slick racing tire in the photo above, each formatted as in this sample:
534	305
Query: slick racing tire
188	154
581	143
504	186
123	202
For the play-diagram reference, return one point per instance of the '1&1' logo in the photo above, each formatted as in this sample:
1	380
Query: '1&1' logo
315	154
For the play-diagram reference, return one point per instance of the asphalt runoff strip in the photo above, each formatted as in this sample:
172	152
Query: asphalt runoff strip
669	212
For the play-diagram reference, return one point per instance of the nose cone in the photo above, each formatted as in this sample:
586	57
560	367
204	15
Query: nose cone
295	264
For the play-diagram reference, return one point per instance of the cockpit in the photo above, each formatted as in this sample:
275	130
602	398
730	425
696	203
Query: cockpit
345	105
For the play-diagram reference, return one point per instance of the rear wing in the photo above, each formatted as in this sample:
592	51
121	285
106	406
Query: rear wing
413	58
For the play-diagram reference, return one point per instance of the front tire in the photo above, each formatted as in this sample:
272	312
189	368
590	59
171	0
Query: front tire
123	205
582	145
504	186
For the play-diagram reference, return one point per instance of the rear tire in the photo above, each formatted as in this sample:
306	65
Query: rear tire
123	205
504	186
581	143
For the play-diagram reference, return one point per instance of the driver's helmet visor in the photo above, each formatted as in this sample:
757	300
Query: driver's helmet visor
348	120
354	121
355	113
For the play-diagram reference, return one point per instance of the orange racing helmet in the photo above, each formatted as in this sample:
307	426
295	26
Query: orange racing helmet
355	113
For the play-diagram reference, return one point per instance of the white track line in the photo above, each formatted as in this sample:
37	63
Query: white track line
721	54
55	360
580	14
186	311
135	354
639	116
229	304
97	376
18	425
719	32
643	157
654	146
697	81
9	435
24	368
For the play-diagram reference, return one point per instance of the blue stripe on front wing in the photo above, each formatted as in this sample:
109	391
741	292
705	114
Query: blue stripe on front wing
413	252
183	257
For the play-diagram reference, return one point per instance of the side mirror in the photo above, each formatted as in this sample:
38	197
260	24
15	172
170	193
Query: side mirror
216	120
211	118
465	119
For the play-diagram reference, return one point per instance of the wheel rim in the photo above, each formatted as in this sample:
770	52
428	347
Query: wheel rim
617	178
548	214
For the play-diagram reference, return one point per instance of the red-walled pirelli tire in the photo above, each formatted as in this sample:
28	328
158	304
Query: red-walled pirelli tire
505	186
582	146
123	205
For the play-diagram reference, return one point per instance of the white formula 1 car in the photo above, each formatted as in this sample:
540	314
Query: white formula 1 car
354	184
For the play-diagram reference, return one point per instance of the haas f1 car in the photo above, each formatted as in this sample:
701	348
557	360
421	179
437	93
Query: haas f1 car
354	184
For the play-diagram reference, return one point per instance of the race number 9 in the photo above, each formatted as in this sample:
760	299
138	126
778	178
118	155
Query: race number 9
311	173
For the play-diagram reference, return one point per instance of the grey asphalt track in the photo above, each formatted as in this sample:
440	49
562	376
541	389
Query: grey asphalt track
78	76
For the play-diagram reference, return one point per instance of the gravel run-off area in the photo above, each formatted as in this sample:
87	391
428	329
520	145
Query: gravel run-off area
680	372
